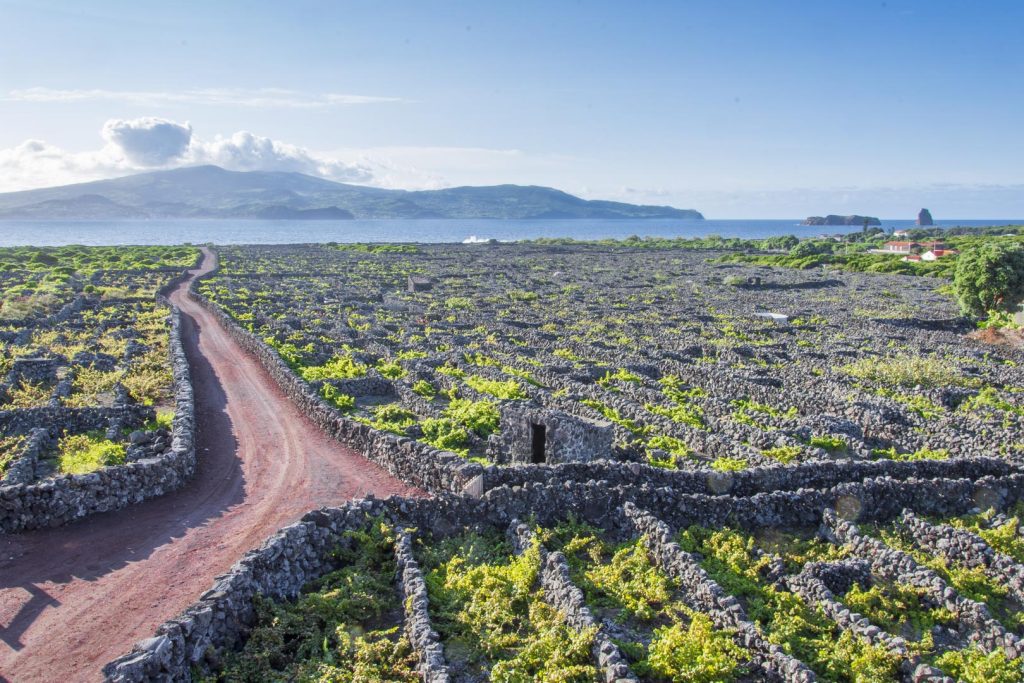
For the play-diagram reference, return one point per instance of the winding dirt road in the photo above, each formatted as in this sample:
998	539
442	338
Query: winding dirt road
73	598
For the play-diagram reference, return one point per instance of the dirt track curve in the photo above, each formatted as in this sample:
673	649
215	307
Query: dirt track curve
73	598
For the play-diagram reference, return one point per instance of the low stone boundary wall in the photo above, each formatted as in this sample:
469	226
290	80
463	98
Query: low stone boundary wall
301	552
75	420
813	475
960	545
69	497
815	593
441	471
415	463
562	594
703	592
23	469
896	565
418	628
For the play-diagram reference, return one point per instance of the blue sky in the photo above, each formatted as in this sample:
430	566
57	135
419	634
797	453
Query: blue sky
739	109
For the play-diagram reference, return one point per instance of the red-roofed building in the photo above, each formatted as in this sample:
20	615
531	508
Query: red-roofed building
909	247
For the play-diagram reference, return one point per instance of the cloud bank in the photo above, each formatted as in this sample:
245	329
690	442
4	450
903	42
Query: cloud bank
149	143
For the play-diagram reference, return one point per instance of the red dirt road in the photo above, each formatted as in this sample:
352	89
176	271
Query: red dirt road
73	598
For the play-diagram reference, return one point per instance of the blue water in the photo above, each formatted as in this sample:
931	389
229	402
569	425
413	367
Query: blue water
53	233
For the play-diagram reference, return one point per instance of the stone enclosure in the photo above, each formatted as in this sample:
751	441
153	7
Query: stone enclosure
784	482
95	360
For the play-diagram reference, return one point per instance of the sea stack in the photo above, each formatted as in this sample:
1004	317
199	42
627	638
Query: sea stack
924	217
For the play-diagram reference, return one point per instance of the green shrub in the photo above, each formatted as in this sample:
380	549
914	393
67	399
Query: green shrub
491	608
923	454
321	636
910	371
989	277
700	653
675	448
729	464
84	453
974	666
832	444
392	417
424	389
505	390
445	434
391	369
458	303
339	400
620	375
784	454
522	295
481	417
339	367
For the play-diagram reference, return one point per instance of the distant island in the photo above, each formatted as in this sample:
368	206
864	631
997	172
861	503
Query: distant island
213	192
833	219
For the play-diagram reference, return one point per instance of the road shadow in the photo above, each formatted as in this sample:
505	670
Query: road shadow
103	543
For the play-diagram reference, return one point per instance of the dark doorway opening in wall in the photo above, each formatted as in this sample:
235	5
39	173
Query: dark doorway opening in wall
539	433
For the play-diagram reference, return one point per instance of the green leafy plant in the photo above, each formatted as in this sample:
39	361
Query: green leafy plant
784	454
84	453
505	390
338	399
424	388
339	367
724	464
699	653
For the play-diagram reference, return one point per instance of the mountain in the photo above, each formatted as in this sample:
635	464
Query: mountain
212	192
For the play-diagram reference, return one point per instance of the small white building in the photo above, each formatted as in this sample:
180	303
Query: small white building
936	254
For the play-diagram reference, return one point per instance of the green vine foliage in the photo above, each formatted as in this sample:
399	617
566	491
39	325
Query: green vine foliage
734	561
486	604
622	581
330	633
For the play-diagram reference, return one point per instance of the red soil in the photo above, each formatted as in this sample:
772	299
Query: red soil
75	597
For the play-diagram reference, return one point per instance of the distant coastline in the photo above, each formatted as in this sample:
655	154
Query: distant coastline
211	192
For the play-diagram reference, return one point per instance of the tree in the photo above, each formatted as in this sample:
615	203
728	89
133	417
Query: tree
990	278
811	248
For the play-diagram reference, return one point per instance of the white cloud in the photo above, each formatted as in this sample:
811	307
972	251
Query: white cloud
245	151
150	143
260	97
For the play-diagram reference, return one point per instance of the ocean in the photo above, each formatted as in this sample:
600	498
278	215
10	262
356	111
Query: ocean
59	232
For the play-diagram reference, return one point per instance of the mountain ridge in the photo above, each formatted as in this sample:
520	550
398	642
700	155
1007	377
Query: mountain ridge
213	192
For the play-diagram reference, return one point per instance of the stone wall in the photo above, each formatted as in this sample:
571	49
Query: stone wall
74	420
441	471
413	462
23	469
817	475
68	497
302	552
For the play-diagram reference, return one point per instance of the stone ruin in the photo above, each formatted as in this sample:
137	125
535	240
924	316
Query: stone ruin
420	284
534	435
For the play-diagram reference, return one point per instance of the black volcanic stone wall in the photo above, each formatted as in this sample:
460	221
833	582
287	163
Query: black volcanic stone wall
68	497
